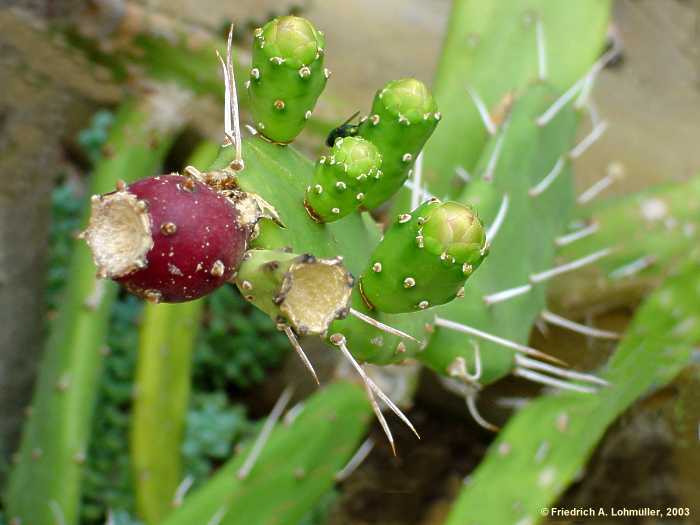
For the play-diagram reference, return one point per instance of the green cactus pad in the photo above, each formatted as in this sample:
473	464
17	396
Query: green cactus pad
300	291
286	76
658	344
424	258
491	46
342	180
296	467
404	115
524	243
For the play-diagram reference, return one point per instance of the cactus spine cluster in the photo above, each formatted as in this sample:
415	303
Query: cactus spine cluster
424	258
343	179
404	115
286	77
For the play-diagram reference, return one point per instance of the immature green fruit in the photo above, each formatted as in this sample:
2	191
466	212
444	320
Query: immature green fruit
300	291
404	115
342	180
286	76
424	258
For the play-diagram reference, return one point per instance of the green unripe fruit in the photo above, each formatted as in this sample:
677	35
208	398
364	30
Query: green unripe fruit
404	115
342	180
300	291
424	258
286	76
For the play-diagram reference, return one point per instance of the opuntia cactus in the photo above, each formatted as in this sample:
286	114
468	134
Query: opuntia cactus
343	179
404	115
424	258
287	76
548	442
168	238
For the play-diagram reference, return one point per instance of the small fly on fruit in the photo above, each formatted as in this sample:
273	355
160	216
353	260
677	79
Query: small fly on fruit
344	130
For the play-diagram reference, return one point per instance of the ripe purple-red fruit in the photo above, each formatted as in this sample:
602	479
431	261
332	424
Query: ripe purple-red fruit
166	238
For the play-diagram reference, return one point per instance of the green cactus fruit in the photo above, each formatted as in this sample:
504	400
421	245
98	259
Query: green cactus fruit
342	180
300	291
424	258
286	77
404	115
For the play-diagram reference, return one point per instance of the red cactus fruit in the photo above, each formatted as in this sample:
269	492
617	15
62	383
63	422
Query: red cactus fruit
166	238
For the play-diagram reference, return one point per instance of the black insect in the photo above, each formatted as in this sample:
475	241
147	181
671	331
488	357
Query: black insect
344	130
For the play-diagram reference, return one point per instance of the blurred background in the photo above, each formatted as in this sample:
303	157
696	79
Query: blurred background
65	66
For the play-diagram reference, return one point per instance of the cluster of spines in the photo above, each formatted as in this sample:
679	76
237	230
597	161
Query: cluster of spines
287	76
343	178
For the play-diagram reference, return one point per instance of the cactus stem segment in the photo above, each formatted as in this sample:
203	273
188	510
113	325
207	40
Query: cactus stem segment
264	435
633	268
232	126
507	343
489	124
541	49
182	490
493	160
381	326
546	380
300	352
541	186
498	221
598	187
355	461
588	140
339	340
505	295
570	266
577	327
574	236
416	192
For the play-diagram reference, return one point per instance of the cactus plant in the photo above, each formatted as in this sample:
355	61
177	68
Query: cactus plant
276	179
492	48
296	466
286	77
547	443
526	153
56	435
